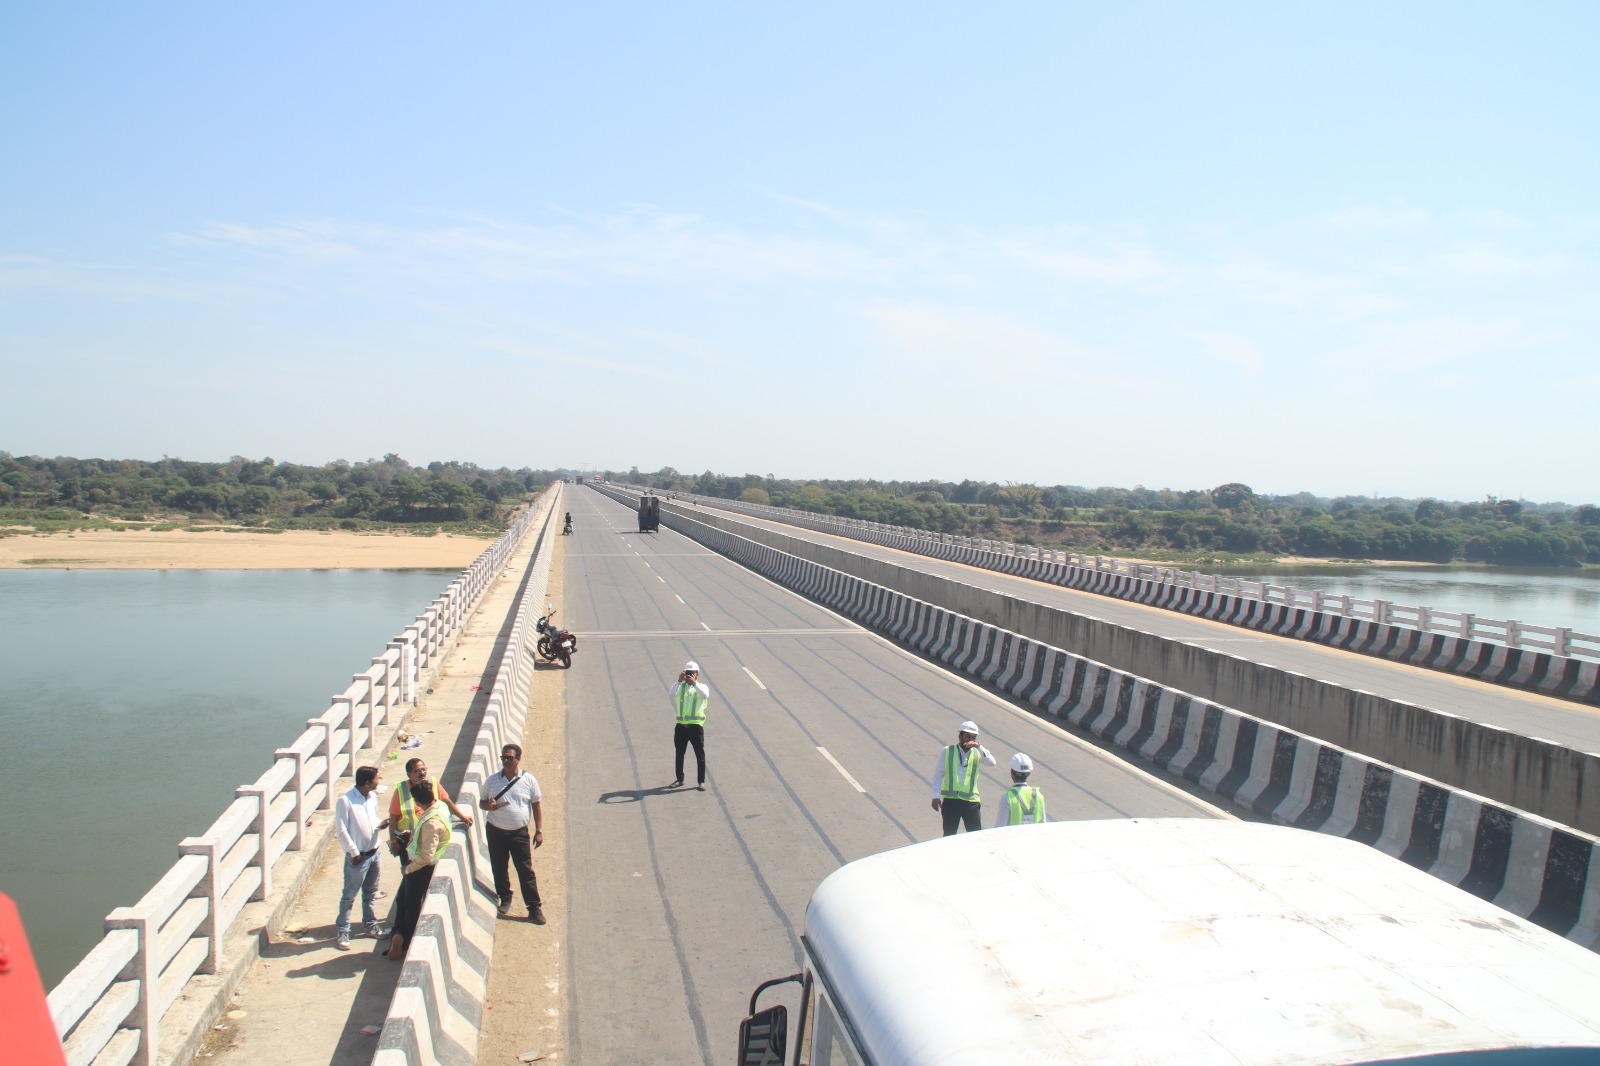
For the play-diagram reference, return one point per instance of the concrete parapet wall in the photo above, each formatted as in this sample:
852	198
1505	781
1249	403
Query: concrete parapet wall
1526	864
1523	772
437	1008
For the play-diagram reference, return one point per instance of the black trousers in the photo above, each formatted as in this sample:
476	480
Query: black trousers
512	847
682	737
961	812
408	902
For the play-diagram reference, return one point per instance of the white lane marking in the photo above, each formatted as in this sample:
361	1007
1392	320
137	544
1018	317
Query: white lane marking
842	770
679	598
754	678
660	578
705	627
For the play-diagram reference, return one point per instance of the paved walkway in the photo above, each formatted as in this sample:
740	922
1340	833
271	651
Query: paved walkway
305	1001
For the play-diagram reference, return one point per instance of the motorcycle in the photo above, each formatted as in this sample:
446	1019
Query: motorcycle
566	530
555	642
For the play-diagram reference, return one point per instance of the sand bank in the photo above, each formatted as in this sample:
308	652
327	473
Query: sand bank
104	549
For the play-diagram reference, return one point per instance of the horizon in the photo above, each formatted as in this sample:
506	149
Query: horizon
1348	245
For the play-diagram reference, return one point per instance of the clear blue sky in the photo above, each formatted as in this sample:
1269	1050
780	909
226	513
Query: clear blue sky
1335	247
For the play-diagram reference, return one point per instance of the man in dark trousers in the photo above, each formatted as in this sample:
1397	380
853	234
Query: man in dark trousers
955	781
432	836
512	798
689	701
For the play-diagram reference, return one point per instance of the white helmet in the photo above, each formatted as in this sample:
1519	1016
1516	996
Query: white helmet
1021	764
691	667
968	727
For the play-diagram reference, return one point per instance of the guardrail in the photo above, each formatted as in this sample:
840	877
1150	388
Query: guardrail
1554	640
109	1009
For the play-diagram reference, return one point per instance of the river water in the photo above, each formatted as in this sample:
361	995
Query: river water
133	703
1543	597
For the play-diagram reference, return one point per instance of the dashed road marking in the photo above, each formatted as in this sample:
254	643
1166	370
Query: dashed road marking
842	770
754	678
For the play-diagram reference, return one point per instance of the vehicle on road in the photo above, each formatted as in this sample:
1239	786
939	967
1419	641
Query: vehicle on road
554	642
1169	941
649	514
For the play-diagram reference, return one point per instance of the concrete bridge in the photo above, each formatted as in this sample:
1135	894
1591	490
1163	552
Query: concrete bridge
839	665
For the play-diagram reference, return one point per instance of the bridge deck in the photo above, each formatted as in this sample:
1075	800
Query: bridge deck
820	740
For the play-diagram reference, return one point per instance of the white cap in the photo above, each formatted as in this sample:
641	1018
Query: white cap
1021	764
691	667
968	727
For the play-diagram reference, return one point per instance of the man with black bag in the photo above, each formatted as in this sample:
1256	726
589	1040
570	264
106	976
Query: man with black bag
512	799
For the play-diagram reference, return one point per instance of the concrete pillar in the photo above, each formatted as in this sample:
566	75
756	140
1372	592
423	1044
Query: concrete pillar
209	850
258	826
146	1016
325	747
298	783
1467	620
353	741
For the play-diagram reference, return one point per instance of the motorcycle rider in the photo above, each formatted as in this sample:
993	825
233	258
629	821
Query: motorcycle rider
568	527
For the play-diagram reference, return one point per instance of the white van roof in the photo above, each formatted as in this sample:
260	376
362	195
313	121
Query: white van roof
1181	941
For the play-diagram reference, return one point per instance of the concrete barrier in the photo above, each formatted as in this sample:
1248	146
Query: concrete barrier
437	1008
1526	864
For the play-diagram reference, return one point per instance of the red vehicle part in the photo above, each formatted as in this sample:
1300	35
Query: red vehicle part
30	1035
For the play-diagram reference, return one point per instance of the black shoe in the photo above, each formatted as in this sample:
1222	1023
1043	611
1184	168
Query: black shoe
536	914
504	908
678	783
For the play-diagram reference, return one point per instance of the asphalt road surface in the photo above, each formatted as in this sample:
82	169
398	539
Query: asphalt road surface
821	741
1562	722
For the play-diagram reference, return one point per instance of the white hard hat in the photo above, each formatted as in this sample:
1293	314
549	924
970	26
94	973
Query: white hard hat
969	727
1021	764
691	667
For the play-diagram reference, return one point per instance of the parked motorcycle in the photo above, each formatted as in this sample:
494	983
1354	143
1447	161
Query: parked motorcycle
555	642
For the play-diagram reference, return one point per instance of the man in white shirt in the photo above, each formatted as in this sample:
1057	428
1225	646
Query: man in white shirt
955	781
513	799
355	819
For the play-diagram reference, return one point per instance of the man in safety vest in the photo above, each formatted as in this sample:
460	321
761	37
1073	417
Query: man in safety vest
955	781
689	700
432	837
1023	803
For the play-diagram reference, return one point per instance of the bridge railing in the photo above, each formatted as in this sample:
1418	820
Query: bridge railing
1556	640
109	1009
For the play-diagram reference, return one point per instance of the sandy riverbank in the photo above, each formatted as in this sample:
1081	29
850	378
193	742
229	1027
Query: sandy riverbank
104	549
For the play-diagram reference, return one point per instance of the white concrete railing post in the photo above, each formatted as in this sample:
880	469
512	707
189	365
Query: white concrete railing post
208	888
350	745
141	969
298	783
325	745
380	695
1561	641
1513	633
258	827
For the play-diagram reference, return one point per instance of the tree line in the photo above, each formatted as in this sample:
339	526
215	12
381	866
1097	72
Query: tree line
61	491
1189	525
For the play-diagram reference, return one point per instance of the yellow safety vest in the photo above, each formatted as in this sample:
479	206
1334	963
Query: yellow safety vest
435	814
1026	803
691	704
960	783
408	806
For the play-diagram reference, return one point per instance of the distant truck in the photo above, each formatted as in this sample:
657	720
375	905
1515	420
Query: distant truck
1169	941
649	514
